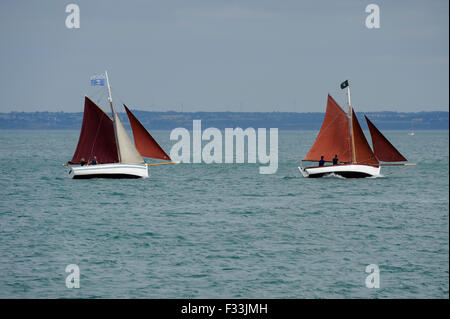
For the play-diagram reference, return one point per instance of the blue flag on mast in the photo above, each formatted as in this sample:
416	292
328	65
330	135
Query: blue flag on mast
97	80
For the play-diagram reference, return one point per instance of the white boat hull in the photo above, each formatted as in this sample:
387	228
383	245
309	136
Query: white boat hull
344	170
114	170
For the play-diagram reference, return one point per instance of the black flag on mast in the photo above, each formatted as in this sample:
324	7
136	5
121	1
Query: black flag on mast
344	84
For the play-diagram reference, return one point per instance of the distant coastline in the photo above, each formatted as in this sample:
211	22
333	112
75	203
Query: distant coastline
436	120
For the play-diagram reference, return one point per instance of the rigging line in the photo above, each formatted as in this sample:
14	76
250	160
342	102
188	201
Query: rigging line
117	95
97	92
321	132
96	135
99	95
121	101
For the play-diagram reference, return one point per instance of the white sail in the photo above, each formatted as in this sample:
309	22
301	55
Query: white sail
128	152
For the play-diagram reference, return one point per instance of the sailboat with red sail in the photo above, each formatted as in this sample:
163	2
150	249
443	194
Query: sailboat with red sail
105	149
341	136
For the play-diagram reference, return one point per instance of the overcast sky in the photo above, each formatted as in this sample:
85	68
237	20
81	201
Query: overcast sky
226	55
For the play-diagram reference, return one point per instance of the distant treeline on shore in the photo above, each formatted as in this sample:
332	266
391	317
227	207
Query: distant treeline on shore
281	120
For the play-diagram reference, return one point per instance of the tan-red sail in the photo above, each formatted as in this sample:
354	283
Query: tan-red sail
144	142
382	148
96	136
334	136
363	152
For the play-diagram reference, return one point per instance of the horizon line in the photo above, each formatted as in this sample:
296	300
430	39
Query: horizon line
174	111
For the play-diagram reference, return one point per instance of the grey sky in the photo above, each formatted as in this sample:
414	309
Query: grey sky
226	55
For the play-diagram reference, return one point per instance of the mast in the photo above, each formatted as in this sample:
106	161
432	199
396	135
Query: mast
113	114
350	113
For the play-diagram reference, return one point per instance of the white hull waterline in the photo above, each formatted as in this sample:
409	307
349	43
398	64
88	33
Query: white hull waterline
114	170
344	170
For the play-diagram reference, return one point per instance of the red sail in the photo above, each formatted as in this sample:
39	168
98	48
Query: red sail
96	137
145	143
334	136
382	148
363	152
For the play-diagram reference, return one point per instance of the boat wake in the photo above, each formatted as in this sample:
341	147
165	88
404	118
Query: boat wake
289	177
377	176
333	175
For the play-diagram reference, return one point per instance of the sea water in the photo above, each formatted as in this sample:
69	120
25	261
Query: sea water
223	230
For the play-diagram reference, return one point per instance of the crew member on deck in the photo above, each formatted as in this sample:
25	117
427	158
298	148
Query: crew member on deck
94	161
335	160
83	161
322	161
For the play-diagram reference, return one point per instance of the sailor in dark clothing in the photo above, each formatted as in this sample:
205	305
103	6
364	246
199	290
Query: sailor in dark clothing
94	161
335	160
83	161
322	161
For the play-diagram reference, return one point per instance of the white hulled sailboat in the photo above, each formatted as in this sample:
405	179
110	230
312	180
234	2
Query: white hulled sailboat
342	135
105	139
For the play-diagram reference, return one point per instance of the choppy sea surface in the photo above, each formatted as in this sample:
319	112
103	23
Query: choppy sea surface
222	230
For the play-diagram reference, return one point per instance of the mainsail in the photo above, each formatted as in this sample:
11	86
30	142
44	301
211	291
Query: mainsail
363	152
334	136
96	137
145	143
382	148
